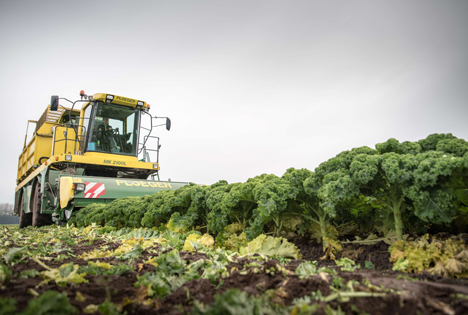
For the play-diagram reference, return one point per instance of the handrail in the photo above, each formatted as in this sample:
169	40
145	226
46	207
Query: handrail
77	139
142	146
145	150
26	136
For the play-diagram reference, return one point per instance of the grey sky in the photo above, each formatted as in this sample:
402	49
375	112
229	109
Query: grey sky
251	87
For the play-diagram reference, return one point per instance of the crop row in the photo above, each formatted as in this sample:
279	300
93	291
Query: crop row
408	187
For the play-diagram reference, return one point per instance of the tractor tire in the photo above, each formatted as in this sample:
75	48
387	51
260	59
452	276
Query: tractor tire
25	218
38	219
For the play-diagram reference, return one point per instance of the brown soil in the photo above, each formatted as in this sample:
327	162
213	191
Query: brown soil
405	293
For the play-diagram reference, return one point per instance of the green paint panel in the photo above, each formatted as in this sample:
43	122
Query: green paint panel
104	189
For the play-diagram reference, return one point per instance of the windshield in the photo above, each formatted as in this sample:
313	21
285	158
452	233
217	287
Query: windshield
114	129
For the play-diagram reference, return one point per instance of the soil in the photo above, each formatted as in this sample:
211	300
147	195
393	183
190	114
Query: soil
405	293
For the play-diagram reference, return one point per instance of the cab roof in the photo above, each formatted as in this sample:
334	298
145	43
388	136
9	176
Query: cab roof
119	100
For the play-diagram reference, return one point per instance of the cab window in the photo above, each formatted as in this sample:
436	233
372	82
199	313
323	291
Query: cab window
114	129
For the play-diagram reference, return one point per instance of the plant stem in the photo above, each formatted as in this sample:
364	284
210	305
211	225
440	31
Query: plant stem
323	226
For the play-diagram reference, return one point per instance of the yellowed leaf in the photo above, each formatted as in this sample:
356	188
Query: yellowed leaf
140	267
152	262
323	275
142	292
397	254
90	309
455	266
79	297
32	292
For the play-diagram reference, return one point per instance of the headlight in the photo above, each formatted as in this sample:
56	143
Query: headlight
140	105
156	166
109	98
79	187
68	157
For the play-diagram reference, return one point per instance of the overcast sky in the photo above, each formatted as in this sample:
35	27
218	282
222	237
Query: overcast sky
251	87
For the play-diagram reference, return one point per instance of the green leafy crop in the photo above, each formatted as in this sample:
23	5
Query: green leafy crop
50	303
97	269
404	178
401	186
7	306
234	301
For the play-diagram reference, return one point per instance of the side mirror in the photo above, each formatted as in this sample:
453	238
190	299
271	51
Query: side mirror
168	124
54	102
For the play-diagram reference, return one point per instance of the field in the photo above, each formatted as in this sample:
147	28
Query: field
53	270
370	231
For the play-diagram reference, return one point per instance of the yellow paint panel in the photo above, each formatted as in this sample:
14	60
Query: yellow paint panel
120	100
39	147
66	191
106	159
65	141
100	157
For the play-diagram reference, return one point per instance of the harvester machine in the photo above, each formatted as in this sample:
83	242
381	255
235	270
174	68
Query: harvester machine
95	154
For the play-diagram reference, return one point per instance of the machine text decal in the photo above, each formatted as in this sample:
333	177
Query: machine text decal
143	183
115	162
124	99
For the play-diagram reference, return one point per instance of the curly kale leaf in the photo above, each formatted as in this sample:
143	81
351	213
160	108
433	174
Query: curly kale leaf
126	212
456	147
399	176
219	210
365	175
436	205
93	213
431	141
306	203
197	212
231	203
434	167
394	146
272	196
166	202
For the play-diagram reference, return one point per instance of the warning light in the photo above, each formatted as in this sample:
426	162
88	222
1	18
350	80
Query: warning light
83	95
56	158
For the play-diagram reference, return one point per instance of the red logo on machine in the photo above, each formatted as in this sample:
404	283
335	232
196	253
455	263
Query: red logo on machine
94	190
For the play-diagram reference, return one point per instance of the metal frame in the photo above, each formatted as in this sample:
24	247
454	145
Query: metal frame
81	142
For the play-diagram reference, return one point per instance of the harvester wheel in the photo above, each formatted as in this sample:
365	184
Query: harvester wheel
25	218
38	219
